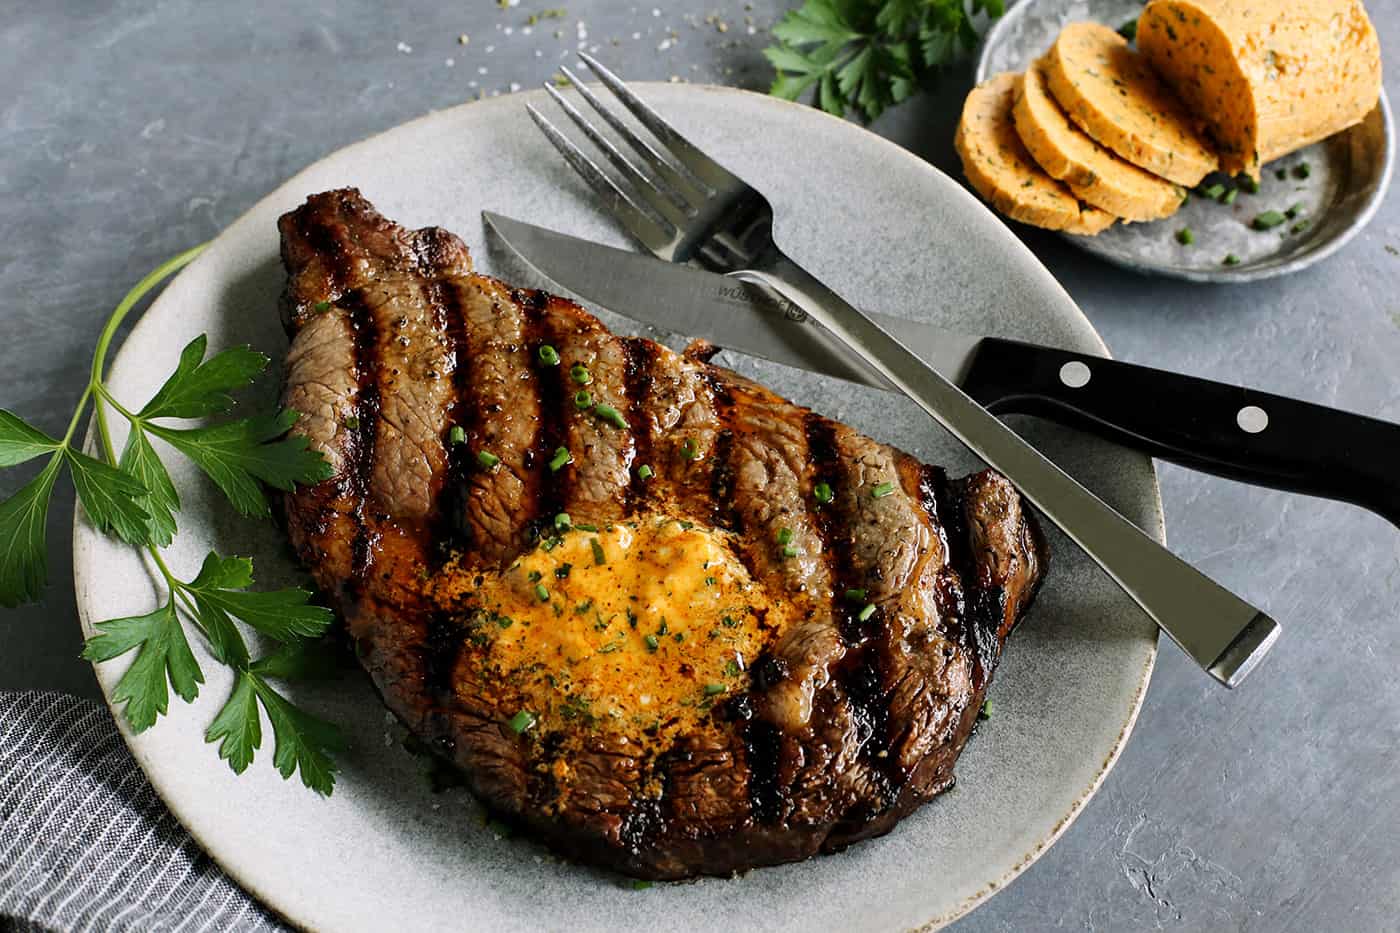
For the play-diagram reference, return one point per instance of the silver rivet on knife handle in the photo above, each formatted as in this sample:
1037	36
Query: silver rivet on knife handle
1224	634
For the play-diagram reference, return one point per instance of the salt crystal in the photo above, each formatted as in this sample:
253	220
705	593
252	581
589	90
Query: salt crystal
665	44
404	47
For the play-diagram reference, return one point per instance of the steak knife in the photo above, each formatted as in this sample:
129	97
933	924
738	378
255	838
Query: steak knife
1239	433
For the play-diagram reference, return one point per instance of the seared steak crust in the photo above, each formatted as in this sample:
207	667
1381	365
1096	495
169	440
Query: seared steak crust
405	363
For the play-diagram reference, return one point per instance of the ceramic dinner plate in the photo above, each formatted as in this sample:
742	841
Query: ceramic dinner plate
386	852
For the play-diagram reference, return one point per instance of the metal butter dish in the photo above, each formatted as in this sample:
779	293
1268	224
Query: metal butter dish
1327	191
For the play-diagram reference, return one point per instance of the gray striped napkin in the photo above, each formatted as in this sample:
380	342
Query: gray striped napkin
85	843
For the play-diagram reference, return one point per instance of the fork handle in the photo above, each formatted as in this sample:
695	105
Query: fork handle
1239	433
1224	634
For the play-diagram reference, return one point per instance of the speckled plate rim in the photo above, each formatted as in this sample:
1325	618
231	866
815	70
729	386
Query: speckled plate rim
1223	276
85	538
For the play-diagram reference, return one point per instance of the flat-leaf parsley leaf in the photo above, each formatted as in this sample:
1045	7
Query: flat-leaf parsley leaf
863	56
132	496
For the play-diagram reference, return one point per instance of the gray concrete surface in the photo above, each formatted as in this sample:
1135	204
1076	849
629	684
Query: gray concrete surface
129	131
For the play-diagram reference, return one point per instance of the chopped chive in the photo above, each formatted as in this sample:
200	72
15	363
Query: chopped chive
599	557
1230	196
732	668
678	637
562	520
651	642
610	415
583	400
548	355
784	535
823	493
689	450
867	612
487	459
321	307
1300	226
882	490
712	689
639	885
1185	237
580	374
709	581
534	576
541	592
663	628
561	458
583	527
562	571
1128	30
790	550
1213	192
504	622
986	711
1293	211
458	435
1248	184
644	472
521	721
1302	170
352	422
1268	220
1281	174
855	596
1231	259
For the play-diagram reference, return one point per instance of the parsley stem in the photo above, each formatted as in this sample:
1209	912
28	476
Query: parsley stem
154	278
104	342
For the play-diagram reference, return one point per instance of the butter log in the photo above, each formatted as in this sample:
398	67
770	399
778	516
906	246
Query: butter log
1112	93
1265	77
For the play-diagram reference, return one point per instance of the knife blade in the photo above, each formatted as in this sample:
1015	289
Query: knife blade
1240	433
723	310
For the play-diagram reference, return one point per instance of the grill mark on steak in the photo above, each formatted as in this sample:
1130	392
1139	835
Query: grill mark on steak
830	521
450	529
834	741
762	749
336	253
638	355
442	650
550	486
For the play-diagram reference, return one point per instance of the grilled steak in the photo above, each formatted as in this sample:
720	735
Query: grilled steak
668	620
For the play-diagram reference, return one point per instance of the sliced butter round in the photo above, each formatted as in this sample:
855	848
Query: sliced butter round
1003	172
1112	94
1094	174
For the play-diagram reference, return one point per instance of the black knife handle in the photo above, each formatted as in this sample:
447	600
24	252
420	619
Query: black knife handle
1267	440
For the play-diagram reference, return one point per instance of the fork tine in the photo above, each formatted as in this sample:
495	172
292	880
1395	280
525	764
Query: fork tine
665	202
640	224
690	188
706	169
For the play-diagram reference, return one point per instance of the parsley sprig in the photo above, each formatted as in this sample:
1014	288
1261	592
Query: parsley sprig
864	56
132	497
